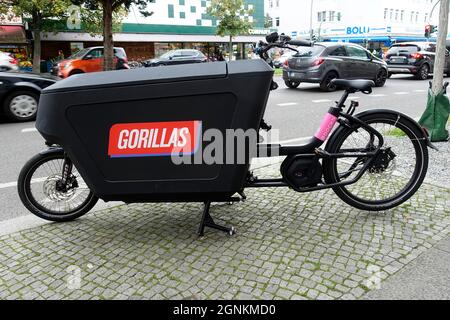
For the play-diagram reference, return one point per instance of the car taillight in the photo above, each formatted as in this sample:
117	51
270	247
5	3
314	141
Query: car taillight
416	55
318	62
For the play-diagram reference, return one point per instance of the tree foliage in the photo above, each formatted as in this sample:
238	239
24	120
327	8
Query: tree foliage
109	9
37	12
232	19
230	14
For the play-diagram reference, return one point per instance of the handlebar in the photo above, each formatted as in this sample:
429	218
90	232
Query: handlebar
274	40
300	43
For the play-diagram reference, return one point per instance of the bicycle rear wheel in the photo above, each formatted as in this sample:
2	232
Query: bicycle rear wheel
393	177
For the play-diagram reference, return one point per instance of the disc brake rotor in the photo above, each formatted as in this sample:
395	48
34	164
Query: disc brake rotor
51	191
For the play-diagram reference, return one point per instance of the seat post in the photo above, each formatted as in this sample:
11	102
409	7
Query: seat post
344	98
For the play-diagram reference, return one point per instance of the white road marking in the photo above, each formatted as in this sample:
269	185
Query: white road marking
14	183
401	93
29	130
377	95
321	101
8	185
420	90
287	104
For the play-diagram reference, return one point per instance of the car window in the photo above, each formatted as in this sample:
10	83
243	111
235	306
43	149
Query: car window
120	53
96	53
430	48
309	51
355	52
189	53
339	52
398	49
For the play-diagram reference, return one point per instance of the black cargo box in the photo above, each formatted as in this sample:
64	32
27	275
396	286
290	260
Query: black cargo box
83	113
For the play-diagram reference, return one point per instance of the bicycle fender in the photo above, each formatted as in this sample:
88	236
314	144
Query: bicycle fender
54	150
424	134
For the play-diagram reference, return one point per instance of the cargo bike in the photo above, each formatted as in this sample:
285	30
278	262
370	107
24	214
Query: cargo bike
104	133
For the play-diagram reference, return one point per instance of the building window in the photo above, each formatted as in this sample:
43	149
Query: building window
182	15
277	22
417	16
277	3
181	2
171	11
402	15
270	3
391	14
339	16
396	14
426	17
332	15
203	4
412	16
193	9
199	22
386	13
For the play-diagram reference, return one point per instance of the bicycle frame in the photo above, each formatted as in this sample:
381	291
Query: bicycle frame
312	148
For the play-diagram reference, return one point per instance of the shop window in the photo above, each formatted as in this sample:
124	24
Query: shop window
171	11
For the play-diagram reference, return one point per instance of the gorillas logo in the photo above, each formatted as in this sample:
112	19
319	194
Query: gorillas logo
154	139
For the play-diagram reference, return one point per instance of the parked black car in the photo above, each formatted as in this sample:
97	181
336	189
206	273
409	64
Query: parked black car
19	93
415	58
327	61
173	57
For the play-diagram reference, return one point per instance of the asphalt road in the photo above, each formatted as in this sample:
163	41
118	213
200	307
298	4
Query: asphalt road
296	112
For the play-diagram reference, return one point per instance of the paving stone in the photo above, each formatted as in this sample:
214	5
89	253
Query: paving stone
289	246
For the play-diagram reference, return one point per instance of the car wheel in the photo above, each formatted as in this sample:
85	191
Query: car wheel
326	84
423	72
21	105
381	78
292	84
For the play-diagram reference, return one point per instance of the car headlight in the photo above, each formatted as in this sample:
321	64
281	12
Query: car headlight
67	65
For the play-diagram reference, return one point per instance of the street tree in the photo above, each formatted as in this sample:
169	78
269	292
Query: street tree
436	115
233	19
38	12
108	8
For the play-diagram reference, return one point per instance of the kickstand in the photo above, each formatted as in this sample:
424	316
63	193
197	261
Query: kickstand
207	221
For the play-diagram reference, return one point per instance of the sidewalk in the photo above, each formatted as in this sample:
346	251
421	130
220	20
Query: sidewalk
288	246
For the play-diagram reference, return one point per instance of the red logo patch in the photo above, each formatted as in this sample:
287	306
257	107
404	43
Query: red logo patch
154	139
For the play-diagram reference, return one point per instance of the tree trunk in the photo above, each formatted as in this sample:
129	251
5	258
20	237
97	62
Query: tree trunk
439	64
37	42
108	44
230	49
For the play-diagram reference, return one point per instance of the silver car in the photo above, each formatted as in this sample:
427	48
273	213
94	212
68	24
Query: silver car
327	61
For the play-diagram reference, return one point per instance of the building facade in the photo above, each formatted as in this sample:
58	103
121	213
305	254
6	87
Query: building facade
174	24
374	24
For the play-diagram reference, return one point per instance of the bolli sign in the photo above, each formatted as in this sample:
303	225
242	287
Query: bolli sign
358	30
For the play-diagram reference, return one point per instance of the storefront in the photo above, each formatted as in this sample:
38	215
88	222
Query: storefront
13	39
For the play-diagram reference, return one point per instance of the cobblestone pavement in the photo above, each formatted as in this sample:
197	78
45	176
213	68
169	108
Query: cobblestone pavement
288	246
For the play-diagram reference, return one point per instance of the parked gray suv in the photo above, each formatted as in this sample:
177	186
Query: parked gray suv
327	61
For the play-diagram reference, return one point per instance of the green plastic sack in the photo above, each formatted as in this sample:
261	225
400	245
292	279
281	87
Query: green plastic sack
435	117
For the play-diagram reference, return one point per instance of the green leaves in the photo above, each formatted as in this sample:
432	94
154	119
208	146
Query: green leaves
231	15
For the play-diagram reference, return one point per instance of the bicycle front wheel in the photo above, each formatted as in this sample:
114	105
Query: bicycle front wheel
40	193
393	177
